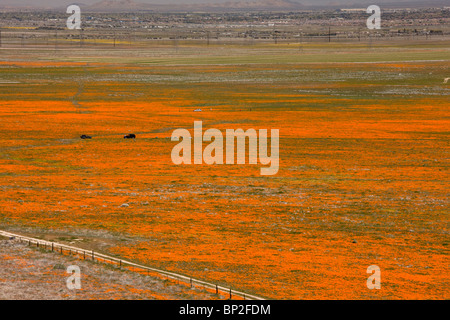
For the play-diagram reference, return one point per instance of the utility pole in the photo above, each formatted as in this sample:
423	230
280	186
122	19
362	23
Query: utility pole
300	47
175	41
0	38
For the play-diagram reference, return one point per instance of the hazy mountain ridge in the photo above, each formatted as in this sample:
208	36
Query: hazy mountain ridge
130	5
230	6
262	5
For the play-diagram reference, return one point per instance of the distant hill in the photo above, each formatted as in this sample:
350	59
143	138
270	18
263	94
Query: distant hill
263	5
131	6
119	6
229	6
256	5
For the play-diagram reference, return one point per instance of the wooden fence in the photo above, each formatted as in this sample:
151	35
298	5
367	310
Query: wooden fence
96	256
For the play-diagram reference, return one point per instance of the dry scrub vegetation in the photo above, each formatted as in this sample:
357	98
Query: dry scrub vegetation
28	273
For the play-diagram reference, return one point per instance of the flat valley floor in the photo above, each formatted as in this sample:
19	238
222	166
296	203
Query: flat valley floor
364	160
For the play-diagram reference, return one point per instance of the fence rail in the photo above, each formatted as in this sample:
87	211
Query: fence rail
96	256
95	39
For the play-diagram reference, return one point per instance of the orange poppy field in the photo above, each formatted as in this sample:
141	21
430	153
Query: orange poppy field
363	177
